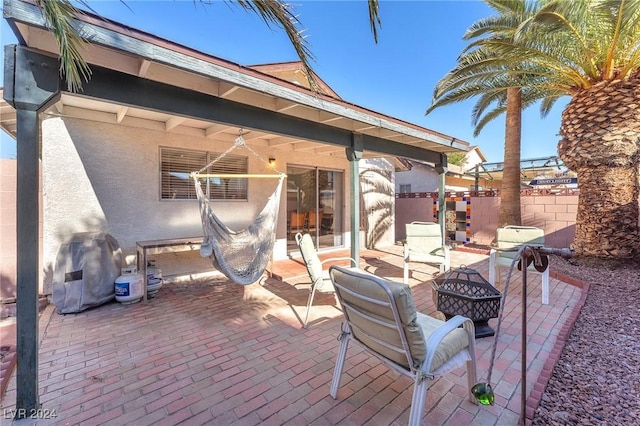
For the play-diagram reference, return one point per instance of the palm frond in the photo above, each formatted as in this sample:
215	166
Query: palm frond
374	18
277	12
547	104
487	118
60	15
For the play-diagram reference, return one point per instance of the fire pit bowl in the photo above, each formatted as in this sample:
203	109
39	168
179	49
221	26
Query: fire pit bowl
463	291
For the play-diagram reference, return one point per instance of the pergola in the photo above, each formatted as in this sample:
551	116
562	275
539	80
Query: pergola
529	168
137	76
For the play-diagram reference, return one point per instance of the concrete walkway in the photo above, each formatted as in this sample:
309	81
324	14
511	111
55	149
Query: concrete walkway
212	352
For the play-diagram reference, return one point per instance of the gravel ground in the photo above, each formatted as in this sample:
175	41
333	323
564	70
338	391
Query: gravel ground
597	378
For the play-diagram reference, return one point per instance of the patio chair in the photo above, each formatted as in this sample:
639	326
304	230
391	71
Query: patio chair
381	317
513	237
424	245
320	280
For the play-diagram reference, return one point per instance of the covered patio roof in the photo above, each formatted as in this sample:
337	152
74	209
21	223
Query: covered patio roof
223	95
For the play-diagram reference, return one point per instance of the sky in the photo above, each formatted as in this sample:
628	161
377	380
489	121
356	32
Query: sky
418	43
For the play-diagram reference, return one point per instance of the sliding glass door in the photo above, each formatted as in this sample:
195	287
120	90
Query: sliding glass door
315	200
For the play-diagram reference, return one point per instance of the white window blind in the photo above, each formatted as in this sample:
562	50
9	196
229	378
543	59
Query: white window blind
228	188
177	164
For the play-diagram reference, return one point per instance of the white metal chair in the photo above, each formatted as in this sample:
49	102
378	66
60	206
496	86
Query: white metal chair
381	317
512	237
424	245
320	280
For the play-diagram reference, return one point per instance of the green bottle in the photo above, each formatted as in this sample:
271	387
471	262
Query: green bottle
483	393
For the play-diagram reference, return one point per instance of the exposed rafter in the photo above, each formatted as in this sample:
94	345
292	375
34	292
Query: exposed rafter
144	68
173	122
122	112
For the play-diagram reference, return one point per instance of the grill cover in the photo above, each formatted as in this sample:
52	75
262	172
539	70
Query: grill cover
86	269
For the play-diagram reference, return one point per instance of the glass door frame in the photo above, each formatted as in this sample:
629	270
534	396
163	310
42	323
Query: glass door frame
322	217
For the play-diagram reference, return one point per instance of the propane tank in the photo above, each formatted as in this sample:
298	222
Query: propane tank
154	279
128	286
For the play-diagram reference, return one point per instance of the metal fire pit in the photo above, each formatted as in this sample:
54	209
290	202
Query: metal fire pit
463	291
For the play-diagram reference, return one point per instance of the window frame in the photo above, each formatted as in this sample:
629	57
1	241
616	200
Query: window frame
404	188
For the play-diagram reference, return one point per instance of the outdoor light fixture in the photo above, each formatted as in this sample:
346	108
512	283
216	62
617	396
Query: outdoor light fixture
272	161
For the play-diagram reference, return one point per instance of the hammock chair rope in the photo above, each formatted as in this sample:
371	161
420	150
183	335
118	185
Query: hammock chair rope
241	255
239	143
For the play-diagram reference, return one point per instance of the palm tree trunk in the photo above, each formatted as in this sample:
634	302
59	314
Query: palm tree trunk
600	141
607	220
509	213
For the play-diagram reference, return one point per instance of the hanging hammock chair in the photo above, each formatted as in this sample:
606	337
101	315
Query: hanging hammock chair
242	256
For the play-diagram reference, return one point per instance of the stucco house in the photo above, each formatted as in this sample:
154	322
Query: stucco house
423	177
115	157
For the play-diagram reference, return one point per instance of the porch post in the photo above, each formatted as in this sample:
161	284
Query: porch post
441	168
354	154
477	178
31	83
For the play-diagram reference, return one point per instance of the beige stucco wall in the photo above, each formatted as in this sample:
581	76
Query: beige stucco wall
425	179
421	179
105	177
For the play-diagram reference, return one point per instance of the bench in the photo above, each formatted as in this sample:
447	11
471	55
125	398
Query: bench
145	248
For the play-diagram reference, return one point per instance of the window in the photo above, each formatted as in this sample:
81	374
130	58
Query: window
177	164
405	188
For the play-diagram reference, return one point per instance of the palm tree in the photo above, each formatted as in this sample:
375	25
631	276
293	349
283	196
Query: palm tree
588	50
598	65
60	15
473	76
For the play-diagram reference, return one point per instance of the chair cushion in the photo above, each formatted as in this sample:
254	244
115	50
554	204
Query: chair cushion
453	343
425	229
424	243
515	237
324	284
427	257
311	259
365	329
417	326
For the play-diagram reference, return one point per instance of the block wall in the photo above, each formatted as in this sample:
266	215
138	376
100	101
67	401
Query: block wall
555	214
8	235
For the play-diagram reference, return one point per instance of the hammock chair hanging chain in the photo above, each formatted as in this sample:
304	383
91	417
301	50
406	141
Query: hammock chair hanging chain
239	143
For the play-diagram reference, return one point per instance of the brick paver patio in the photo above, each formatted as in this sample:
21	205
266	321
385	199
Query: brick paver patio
212	352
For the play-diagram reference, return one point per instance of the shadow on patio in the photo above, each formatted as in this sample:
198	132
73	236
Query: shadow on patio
213	352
